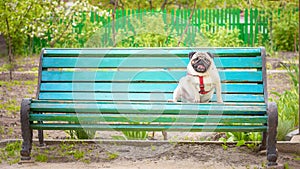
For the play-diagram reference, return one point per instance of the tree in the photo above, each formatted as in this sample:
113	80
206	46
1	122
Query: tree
167	4
15	14
67	26
51	20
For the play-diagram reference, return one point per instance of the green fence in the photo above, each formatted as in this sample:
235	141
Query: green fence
251	23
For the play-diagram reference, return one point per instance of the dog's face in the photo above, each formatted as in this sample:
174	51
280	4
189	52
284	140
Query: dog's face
201	61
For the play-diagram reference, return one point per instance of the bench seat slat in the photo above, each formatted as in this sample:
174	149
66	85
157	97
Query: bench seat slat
148	103
148	108
140	87
145	62
124	127
152	52
144	118
143	75
139	96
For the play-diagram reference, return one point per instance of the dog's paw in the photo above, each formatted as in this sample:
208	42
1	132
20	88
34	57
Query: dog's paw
220	101
197	101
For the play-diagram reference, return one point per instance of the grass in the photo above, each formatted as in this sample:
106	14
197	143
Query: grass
11	107
153	148
112	156
66	150
10	153
78	154
12	92
41	158
1	130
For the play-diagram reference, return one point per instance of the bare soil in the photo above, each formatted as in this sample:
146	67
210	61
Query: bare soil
98	155
133	156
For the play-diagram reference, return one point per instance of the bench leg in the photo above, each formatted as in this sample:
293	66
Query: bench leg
272	132
41	137
26	130
263	145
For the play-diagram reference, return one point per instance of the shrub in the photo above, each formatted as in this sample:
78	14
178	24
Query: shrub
135	135
288	105
285	32
152	31
222	37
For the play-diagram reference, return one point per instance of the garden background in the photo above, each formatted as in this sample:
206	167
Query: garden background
27	26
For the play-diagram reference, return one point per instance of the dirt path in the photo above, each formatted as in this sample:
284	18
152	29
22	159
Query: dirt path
125	164
165	156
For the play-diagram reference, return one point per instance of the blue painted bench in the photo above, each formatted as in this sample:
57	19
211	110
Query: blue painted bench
109	89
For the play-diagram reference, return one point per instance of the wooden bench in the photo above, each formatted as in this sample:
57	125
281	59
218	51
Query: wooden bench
109	89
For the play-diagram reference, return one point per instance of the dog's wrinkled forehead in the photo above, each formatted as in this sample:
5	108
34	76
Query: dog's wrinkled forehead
200	54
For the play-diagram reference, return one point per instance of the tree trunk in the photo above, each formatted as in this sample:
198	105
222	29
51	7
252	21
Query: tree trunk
187	26
10	53
150	3
163	6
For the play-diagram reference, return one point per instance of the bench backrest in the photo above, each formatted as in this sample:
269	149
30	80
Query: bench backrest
145	74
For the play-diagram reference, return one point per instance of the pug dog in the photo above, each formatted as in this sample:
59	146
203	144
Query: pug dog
201	81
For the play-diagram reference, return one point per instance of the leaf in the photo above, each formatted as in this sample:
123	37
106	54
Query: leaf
240	143
225	147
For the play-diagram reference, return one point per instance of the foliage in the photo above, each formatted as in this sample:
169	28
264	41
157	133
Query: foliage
135	135
179	4
241	138
283	25
288	105
285	31
62	26
81	133
222	37
15	14
152	31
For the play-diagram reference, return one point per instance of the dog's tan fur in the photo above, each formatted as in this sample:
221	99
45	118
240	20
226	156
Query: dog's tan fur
189	85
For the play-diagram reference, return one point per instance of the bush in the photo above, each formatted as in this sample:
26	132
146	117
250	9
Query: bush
285	32
288	105
222	37
152	31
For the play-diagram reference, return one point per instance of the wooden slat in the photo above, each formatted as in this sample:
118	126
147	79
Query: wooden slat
138	96
143	62
145	118
144	75
151	51
141	87
148	108
169	128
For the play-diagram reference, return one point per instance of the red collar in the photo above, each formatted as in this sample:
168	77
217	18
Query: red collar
201	81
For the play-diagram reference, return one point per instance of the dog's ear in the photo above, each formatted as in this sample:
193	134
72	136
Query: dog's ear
191	55
210	54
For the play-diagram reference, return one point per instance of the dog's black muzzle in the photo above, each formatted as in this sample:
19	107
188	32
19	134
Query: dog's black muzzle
201	65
